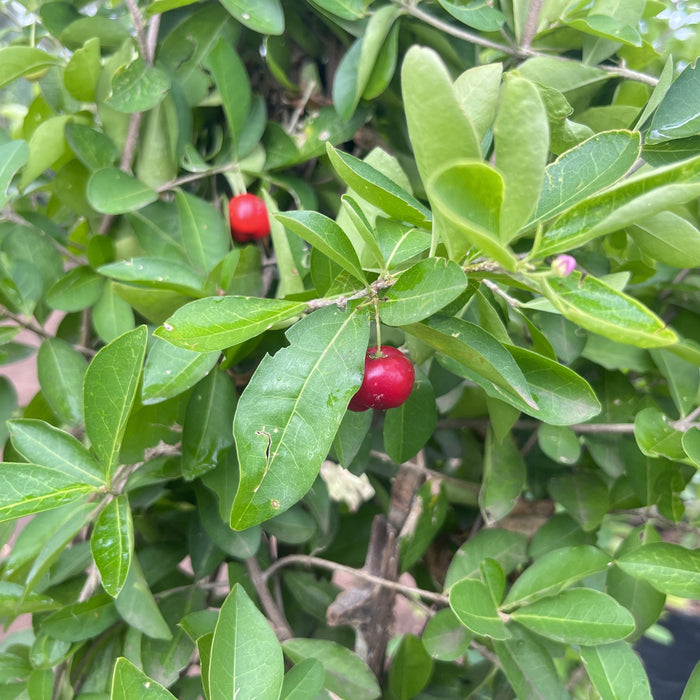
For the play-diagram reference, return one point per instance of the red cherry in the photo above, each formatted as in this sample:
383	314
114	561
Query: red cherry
249	219
387	382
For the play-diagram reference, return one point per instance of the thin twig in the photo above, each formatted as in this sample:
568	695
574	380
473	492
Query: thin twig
259	581
192	178
152	39
139	27
533	18
30	325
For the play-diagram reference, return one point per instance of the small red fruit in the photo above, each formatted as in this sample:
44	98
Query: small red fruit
249	219
388	380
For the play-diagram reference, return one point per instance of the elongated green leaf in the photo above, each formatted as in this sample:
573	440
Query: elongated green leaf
263	16
46	145
668	238
111	191
598	307
528	666
246	658
556	570
13	600
347	675
31	488
16	61
504	478
692	688
477	350
13	155
110	388
678	115
472	603
157	274
308	383
303	680
668	567
216	323
616	671
203	230
82	73
577	616
477	91
411	668
691	444
128	683
587	168
323	233
422	290
43	444
112	544
619	206
521	133
377	189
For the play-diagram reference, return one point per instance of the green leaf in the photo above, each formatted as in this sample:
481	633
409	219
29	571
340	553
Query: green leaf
112	544
598	307
231	77
46	145
619	206
204	232
308	383
208	420
304	680
216	323
559	443
477	91
31	488
61	371
14	601
111	191
156	273
16	61
505	547
112	316
411	668
655	436
432	505
521	134
503	479
584	495
668	238
528	666
445	638
323	233
678	115
577	616
246	658
138	87
43	444
587	168
377	188
421	291
693	686
478	14
347	675
262	16
472	603
616	672
93	148
13	155
554	571
475	349
171	370
109	391
82	73
668	567
691	444
76	290
128	682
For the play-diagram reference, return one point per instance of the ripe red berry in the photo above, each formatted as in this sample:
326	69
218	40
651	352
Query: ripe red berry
249	219
387	382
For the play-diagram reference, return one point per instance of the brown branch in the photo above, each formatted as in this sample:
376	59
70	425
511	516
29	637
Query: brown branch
259	581
139	27
533	18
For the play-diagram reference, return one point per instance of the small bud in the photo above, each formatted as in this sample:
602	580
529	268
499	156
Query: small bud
563	265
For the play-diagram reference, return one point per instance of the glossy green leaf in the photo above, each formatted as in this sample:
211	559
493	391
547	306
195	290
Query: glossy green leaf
111	191
554	571
156	273
421	291
46	145
231	77
691	444
93	148
616	672
350	436
129	682
117	366
503	480
112	544
303	680
668	567
263	16
411	668
655	436
477	91
246	658
668	238
43	444
15	601
81	74
619	206
112	316
596	306
76	290
507	548
584	495
589	167
377	188
138	87
521	134
346	673
61	371
472	603
323	233
13	155
678	115
16	61
478	14
399	243
216	323
577	616
445	638
31	488
345	9
308	383
203	229
157	165
559	443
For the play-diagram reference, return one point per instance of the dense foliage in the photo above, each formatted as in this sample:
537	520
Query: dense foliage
507	192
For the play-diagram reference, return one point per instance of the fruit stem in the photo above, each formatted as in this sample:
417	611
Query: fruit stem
379	330
235	179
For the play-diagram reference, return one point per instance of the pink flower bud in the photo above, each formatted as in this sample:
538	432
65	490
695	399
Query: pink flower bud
563	265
